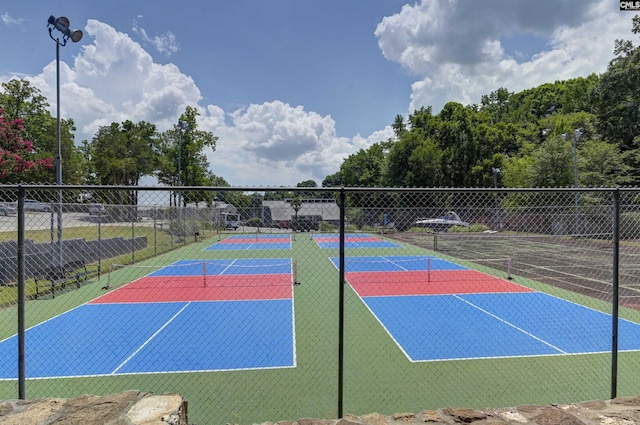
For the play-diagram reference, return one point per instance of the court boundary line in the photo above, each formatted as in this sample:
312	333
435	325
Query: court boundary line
115	373
455	359
506	322
561	352
144	344
39	378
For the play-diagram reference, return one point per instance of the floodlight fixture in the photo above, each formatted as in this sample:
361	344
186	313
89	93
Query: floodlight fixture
62	24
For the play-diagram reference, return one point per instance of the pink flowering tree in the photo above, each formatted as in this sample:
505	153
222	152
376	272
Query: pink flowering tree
17	164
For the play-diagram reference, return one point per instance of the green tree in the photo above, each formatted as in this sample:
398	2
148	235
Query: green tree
601	164
553	164
399	126
123	153
333	180
364	168
186	147
296	204
616	98
20	100
517	171
17	163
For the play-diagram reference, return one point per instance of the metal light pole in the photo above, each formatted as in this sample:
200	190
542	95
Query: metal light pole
62	25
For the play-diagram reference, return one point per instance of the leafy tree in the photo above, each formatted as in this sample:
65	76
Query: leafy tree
20	100
364	168
399	126
616	97
553	164
517	171
123	153
496	104
185	147
17	164
397	168
333	180
296	204
601	164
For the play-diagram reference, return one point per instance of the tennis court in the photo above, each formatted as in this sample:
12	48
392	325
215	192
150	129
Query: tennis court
352	240
252	242
189	316
439	310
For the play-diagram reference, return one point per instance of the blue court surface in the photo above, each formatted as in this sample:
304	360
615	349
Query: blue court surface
438	310
392	263
233	326
252	242
472	326
238	266
352	241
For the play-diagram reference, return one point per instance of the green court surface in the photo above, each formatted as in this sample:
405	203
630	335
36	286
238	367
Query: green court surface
377	376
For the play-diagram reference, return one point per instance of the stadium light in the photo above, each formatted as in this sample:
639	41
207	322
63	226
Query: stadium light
61	24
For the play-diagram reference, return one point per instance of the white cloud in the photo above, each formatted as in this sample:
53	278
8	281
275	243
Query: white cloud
272	144
9	20
454	48
165	43
455	51
277	144
115	79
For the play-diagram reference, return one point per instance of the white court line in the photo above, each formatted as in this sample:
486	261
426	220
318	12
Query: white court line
510	324
395	264
227	268
150	338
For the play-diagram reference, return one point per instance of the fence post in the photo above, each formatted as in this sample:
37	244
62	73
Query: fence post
614	301
341	305
21	297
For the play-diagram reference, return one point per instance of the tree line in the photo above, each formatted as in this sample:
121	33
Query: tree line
535	138
538	137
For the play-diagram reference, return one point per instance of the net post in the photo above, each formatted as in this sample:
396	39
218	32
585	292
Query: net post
509	268
108	285
204	273
294	272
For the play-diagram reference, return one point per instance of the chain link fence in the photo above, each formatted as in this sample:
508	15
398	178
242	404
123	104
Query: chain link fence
265	304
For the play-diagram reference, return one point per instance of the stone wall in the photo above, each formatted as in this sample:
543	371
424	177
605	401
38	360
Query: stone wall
136	408
128	408
620	411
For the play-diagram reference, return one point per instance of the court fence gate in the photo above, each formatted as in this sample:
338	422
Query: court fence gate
267	304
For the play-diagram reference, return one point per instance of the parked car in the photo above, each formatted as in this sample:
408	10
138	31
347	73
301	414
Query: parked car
443	222
33	205
97	209
8	210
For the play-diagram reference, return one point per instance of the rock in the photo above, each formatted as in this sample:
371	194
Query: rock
129	407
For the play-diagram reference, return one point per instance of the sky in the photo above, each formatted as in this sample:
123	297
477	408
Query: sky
291	88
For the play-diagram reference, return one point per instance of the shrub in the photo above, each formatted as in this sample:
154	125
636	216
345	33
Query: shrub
458	229
478	227
630	225
327	227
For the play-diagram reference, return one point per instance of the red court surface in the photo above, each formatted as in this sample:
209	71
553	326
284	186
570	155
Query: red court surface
320	239
255	240
154	289
434	282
